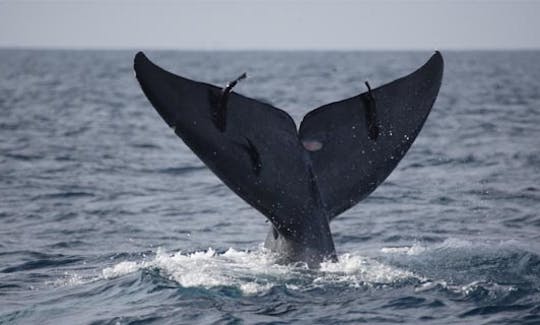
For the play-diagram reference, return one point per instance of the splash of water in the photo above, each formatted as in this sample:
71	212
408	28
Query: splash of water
254	272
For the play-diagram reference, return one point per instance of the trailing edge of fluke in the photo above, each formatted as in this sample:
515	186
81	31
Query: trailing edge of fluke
299	179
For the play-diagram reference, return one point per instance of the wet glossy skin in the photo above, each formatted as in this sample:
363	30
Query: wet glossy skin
299	178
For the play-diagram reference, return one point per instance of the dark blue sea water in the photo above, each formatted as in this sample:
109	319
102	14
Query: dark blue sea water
107	218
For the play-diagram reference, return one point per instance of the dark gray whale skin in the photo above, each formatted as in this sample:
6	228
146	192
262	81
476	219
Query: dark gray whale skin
299	179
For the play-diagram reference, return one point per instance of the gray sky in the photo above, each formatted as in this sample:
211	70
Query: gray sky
272	24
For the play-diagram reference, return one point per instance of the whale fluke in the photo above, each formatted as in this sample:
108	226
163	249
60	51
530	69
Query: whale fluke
300	180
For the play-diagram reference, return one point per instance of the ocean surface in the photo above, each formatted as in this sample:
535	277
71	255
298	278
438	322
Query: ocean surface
106	217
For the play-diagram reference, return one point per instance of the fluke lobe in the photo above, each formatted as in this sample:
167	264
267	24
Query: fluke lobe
299	179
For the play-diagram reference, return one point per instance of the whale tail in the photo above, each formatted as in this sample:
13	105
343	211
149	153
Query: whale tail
299	180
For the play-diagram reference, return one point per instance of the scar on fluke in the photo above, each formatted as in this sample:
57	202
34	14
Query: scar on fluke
254	155
312	145
220	115
371	114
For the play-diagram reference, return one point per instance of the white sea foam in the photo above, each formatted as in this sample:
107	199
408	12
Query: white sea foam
121	269
256	272
494	290
68	279
449	243
415	249
457	244
358	270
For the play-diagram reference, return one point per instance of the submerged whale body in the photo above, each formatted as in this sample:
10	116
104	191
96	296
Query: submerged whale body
300	179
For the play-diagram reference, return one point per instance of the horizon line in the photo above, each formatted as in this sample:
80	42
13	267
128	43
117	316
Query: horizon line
263	49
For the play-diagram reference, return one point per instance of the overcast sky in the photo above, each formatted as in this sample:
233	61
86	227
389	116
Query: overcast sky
272	24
